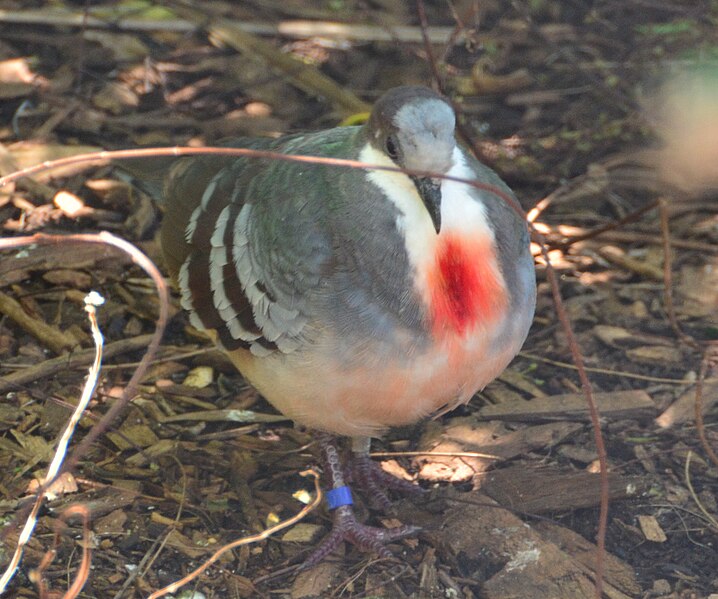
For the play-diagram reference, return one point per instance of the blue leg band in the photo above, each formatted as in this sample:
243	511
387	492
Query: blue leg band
338	497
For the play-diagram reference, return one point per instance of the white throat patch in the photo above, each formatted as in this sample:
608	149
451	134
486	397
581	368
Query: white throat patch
462	209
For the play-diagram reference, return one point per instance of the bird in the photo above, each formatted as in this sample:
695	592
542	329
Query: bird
355	299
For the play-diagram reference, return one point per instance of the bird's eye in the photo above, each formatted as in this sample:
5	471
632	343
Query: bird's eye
391	150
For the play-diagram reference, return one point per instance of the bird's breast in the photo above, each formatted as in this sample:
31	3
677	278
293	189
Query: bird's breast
463	286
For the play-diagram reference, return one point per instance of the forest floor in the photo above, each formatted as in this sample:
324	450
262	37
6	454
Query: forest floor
591	111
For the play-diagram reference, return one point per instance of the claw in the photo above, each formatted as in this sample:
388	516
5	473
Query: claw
369	539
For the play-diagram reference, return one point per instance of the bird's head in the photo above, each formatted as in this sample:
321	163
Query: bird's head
414	128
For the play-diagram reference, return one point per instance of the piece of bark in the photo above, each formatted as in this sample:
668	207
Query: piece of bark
102	502
651	529
491	539
428	575
518	380
497	393
538	491
489	441
82	256
641	267
316	581
541	436
656	355
622	338
65	277
572	406
683	409
617	573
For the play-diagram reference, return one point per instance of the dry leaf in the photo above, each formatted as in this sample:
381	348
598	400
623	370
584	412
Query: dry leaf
199	377
65	483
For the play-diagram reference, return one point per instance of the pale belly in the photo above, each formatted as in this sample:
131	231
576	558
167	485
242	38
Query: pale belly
365	399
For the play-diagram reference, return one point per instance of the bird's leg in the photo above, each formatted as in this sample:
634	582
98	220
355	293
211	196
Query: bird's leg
346	527
369	476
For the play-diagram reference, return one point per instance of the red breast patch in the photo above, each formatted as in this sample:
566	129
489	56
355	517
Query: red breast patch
465	285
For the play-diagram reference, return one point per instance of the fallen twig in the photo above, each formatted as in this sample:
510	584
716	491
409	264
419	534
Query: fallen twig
620	373
49	336
293	29
668	279
593	412
80	359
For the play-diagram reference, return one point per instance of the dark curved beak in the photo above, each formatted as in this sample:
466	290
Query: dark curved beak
430	193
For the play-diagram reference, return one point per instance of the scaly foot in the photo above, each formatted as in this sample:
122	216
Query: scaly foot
370	478
339	500
369	539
